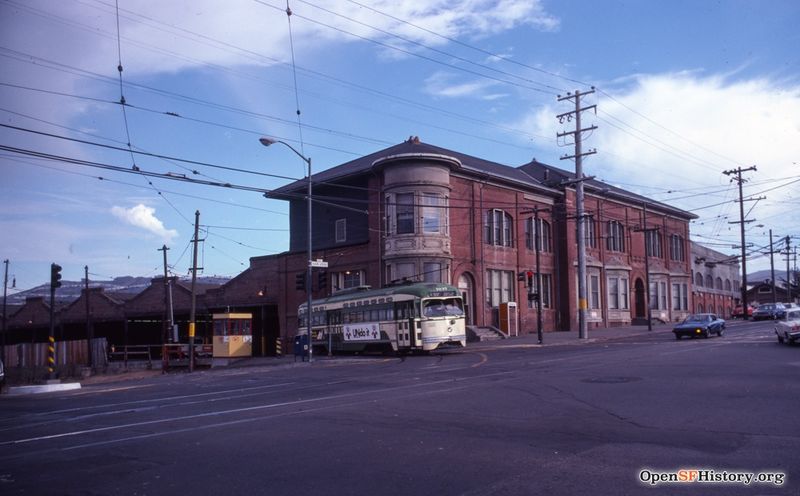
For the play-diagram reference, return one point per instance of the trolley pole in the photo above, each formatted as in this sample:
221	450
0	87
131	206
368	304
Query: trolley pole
537	239
167	324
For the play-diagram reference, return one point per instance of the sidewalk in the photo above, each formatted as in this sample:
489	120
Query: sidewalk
553	338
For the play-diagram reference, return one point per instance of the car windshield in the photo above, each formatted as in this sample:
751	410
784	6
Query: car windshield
699	317
442	307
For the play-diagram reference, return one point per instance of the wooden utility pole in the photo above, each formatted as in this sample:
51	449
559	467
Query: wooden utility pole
194	294
741	222
578	156
166	326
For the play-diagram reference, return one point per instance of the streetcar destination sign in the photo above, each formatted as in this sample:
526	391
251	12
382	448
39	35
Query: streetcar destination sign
367	331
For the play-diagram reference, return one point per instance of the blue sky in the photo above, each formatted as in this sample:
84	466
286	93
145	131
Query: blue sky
686	89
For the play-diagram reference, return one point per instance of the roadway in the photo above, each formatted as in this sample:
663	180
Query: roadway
498	418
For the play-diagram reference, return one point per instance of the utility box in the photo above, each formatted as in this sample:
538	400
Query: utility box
509	318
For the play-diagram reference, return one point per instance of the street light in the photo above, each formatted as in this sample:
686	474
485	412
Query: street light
267	142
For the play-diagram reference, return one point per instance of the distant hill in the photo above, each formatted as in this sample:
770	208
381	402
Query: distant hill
71	290
764	275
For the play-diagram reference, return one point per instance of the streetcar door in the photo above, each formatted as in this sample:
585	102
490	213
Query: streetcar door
405	320
412	333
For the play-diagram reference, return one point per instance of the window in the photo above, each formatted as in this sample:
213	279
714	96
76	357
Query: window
589	233
404	213
618	293
709	281
432	213
677	248
685	301
545	291
676	296
652	242
341	230
615	236
432	272
499	287
727	285
498	228
347	279
594	292
718	283
405	271
698	279
658	295
540	231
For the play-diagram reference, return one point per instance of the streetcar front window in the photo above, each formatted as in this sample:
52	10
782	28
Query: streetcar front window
442	307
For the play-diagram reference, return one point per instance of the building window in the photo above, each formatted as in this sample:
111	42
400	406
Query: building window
615	236
685	287
589	232
709	281
594	292
658	295
432	272
498	228
404	213
347	279
545	291
718	283
341	230
727	285
680	296
652	240
698	279
432	213
405	271
677	250
542	232
499	287
618	293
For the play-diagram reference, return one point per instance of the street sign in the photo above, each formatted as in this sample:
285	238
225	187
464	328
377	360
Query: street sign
318	263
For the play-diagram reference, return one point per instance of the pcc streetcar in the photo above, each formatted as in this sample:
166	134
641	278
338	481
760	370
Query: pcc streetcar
408	317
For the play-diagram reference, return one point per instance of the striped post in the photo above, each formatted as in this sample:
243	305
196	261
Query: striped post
278	350
51	355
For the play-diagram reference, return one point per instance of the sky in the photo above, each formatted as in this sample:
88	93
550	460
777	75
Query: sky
684	90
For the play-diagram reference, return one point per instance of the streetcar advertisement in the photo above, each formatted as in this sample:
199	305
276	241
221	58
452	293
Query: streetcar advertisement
366	331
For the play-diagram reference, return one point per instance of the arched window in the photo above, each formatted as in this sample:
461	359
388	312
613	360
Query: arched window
709	281
718	284
727	285
698	279
542	231
498	229
615	236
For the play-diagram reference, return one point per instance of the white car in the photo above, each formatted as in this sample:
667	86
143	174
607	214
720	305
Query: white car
788	328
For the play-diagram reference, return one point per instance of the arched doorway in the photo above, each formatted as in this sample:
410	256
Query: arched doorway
640	304
466	287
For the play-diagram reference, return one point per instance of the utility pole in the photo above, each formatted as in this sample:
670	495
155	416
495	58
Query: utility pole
646	232
166	324
578	156
788	277
772	269
5	294
741	223
194	294
89	333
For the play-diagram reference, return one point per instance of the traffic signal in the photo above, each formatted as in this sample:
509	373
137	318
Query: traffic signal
521	276
300	281
55	276
529	278
322	281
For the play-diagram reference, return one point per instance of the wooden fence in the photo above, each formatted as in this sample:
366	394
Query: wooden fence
67	353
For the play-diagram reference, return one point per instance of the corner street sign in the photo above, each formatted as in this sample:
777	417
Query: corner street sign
318	263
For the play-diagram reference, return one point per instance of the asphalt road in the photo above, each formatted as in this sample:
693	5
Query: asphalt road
508	418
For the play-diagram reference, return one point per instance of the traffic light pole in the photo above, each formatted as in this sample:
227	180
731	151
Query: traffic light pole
55	282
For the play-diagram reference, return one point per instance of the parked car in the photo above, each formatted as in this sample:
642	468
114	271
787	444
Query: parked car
788	328
700	325
769	311
2	373
738	313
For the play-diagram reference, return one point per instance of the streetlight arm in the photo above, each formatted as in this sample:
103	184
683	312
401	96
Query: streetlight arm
269	141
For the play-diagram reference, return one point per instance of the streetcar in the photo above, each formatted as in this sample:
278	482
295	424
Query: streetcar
402	318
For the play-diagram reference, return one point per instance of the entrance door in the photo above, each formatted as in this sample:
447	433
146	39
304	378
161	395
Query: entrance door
465	287
640	304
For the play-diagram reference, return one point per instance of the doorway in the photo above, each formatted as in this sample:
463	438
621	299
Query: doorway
640	304
466	288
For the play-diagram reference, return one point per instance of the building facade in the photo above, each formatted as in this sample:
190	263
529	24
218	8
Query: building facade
717	287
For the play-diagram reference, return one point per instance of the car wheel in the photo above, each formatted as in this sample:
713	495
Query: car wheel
678	337
721	331
706	334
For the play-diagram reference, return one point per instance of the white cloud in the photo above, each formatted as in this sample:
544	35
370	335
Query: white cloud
453	86
680	131
144	217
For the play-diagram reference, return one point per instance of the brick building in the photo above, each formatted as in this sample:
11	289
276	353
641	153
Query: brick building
716	281
420	212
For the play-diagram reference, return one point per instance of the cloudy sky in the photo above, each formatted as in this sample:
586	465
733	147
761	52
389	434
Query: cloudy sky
685	90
